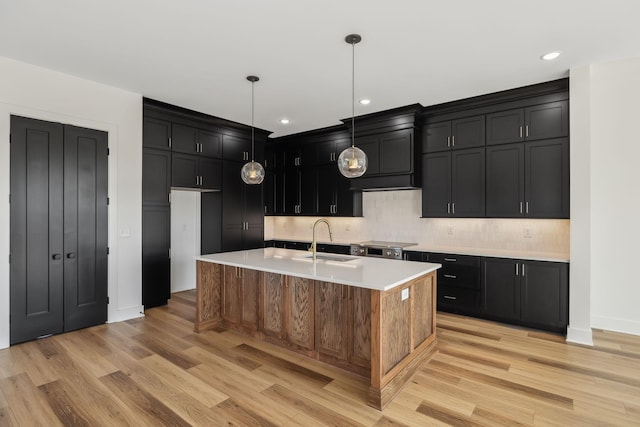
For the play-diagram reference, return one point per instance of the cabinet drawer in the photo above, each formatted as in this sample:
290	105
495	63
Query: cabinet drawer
461	271
455	299
470	260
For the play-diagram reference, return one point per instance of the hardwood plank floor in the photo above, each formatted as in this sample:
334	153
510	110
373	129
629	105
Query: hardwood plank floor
157	371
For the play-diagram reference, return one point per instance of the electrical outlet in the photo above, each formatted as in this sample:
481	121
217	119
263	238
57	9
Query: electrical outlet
405	294
449	230
527	233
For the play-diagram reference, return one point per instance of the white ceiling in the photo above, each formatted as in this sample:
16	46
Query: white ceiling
197	53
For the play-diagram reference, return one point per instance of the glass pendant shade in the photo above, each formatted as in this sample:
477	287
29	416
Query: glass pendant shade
352	162
252	173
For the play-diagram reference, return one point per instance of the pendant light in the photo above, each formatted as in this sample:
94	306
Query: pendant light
252	172
352	162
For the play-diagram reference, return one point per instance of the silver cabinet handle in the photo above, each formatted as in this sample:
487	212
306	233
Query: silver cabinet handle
522	269
169	142
520	207
448	141
453	208
517	266
448	208
453	141
526	132
527	208
450	297
450	276
451	259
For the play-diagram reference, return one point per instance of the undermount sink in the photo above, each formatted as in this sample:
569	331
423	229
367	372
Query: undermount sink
325	257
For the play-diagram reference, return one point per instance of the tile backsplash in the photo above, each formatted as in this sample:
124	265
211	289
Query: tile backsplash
395	216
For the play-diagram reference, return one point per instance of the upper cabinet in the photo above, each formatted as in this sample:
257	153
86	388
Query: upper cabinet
389	153
156	133
548	120
462	133
191	140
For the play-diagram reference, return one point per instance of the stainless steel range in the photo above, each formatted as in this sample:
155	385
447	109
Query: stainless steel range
392	250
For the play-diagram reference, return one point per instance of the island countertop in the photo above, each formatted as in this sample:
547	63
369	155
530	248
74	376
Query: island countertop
363	272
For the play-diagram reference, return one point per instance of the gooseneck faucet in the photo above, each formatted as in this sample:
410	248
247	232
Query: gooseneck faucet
313	246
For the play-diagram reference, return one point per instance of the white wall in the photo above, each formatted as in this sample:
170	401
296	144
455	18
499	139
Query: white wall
44	94
615	204
185	239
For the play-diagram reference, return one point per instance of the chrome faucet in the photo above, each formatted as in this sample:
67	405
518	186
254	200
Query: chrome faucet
314	244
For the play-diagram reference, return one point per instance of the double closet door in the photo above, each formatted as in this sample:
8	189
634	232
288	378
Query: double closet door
58	228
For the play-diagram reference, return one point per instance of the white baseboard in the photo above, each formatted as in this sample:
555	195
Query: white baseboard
579	336
126	314
616	325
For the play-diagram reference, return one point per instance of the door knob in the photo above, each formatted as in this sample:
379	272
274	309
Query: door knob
56	256
71	255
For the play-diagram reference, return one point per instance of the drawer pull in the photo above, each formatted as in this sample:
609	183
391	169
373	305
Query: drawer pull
451	259
449	297
450	276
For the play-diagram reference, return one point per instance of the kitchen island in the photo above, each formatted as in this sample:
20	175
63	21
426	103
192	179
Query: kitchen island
374	317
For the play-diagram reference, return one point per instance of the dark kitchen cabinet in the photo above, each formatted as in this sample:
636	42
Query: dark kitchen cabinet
461	133
549	120
191	140
299	190
242	211
238	148
528	180
532	293
156	177
329	151
389	153
156	261
458	281
453	183
190	171
333	194
156	133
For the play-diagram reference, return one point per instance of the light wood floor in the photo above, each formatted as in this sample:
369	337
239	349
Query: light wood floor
157	371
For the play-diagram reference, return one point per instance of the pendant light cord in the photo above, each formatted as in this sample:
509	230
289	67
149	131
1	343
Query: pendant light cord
252	126
353	94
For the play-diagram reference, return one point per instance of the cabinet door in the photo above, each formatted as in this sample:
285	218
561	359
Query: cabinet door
210	172
236	148
331	319
359	337
184	170
505	127
547	178
300	306
505	181
232	201
273	305
396	152
232	237
547	120
253	237
545	293
436	137
232	294
156	177
291	185
210	143
326	193
371	146
436	184
156	264
501	288
269	192
467	132
184	139
307	191
467	183
250	292
156	133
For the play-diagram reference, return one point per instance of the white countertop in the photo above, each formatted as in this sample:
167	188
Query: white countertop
363	272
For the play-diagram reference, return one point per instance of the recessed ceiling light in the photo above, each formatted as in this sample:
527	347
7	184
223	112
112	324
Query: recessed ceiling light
550	56
365	101
284	121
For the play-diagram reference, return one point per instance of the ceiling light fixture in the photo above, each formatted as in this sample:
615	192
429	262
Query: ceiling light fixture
284	121
252	172
365	101
352	162
550	56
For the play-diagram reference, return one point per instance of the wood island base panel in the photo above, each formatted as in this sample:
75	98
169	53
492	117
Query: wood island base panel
382	335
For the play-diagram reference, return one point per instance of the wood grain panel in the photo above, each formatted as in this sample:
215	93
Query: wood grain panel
208	288
360	324
396	329
232	294
422	291
250	287
273	305
301	312
331	319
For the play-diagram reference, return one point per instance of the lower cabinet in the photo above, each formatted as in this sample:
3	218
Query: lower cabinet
343	323
458	283
287	309
531	293
240	297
